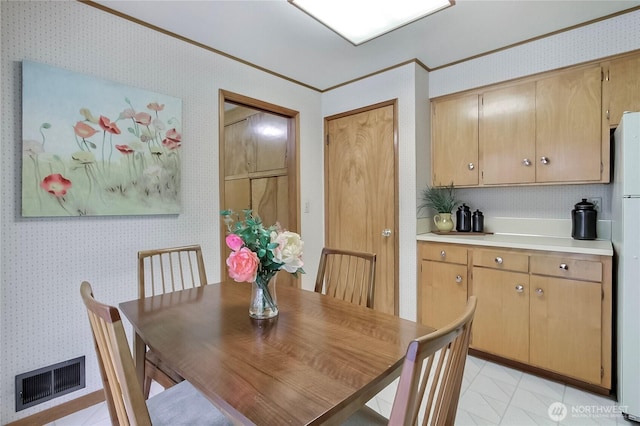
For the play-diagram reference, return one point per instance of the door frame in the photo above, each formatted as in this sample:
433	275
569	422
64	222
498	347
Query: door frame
396	196
293	156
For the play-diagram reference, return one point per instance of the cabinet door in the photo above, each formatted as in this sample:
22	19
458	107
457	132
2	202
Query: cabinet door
444	294
269	199
272	133
454	141
623	83
568	126
566	330
508	135
501	323
239	152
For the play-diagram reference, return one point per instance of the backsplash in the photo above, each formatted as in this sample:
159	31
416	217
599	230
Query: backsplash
546	202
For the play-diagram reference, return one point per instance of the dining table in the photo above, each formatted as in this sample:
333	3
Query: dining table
317	362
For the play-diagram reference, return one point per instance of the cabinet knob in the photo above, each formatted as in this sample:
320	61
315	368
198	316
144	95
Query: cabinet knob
539	291
519	288
498	260
545	160
564	266
471	166
443	254
386	232
526	162
458	278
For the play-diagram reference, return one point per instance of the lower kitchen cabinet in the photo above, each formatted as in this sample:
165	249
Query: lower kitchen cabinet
550	311
443	297
566	327
501	323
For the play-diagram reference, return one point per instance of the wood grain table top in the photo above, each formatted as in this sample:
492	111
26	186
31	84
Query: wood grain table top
316	363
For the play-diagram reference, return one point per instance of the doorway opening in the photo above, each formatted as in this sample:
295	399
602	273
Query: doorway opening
259	164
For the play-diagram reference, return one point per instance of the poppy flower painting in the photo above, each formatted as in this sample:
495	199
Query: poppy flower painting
93	147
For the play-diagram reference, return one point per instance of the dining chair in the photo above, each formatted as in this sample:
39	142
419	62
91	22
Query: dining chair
181	404
431	377
163	271
347	275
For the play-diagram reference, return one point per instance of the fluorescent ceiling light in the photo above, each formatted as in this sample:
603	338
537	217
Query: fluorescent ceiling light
362	20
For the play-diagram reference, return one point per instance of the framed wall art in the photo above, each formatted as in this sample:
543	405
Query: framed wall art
92	147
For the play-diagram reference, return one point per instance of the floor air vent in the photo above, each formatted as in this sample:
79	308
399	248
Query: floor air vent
46	383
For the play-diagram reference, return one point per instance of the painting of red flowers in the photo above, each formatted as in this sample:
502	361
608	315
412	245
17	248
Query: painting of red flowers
93	147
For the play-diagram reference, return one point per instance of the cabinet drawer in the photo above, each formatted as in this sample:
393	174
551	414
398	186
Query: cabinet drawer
498	259
444	253
588	270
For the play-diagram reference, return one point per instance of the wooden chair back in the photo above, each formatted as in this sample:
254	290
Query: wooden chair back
432	373
163	271
169	269
123	393
347	275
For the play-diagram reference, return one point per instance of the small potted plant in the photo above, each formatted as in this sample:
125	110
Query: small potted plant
442	200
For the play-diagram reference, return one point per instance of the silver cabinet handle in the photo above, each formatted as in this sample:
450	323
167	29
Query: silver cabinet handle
458	279
443	254
471	166
539	291
498	260
386	232
519	288
544	160
564	266
526	162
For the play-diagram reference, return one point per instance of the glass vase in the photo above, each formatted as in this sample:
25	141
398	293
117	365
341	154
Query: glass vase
264	303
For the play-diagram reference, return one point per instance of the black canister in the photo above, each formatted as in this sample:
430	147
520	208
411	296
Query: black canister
463	219
584	218
477	221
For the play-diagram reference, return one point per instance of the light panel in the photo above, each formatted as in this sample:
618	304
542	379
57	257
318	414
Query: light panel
362	20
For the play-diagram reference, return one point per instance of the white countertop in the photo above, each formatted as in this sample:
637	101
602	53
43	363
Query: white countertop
529	242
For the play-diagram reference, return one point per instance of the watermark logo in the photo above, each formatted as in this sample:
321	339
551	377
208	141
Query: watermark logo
557	411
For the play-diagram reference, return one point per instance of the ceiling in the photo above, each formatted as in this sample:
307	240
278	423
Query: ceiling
279	37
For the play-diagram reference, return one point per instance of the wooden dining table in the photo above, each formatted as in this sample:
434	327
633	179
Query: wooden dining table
317	362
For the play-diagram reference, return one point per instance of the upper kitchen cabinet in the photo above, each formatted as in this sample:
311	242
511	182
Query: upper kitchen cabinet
454	141
568	126
508	135
621	87
543	129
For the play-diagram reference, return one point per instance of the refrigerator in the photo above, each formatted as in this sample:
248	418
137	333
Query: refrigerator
625	235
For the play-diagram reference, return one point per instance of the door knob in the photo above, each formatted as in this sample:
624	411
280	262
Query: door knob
386	232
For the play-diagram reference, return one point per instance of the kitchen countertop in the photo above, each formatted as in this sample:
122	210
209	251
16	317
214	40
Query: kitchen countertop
528	242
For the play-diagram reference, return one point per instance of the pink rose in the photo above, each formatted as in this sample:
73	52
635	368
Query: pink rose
234	242
243	265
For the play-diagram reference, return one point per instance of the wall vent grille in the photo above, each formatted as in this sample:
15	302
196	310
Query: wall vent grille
43	384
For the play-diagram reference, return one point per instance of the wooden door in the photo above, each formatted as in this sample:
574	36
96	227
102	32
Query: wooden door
501	322
566	327
508	135
360	192
623	83
444	294
568	126
454	141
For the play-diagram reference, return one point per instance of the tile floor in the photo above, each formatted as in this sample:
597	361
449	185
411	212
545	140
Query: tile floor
491	395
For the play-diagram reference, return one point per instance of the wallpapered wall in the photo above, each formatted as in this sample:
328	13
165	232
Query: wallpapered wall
44	260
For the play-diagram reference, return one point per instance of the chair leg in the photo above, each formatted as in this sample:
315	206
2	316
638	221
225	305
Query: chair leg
147	386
